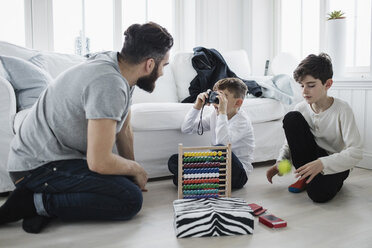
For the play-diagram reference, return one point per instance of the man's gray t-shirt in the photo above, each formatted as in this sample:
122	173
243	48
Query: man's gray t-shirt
56	126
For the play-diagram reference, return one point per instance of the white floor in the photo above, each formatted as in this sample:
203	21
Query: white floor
343	222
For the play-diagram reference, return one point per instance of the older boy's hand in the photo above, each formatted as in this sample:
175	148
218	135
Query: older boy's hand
271	172
310	170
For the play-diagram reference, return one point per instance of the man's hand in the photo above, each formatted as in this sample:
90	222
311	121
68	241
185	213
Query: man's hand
271	172
140	178
310	170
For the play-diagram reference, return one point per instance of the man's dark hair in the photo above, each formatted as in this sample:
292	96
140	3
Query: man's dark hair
142	42
319	67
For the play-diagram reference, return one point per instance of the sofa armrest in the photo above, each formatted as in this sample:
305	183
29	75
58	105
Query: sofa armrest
7	113
7	107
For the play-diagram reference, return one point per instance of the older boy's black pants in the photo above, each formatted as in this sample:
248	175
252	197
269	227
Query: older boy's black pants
304	149
238	175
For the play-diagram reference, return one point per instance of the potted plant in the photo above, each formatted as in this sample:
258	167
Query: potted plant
336	40
336	14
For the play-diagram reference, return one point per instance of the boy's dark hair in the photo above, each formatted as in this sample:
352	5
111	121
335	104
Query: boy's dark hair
319	67
149	40
233	85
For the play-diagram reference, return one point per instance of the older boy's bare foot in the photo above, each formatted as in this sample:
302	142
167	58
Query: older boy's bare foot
271	172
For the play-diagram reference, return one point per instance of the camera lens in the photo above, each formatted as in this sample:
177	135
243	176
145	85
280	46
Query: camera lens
212	97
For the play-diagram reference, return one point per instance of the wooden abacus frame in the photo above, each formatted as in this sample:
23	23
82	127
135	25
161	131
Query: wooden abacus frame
224	167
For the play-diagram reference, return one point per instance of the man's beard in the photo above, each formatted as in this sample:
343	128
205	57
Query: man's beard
147	83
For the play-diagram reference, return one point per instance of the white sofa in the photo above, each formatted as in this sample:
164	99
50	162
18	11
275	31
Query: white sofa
156	117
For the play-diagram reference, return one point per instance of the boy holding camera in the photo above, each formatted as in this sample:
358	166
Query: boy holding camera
228	124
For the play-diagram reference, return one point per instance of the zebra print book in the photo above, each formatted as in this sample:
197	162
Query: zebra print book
212	217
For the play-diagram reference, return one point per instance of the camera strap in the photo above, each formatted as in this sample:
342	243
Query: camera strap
200	130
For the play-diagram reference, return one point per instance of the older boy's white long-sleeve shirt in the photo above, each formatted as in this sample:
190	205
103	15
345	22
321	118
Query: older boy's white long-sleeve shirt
336	132
237	131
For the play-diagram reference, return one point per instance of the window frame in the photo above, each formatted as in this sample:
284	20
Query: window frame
39	24
356	71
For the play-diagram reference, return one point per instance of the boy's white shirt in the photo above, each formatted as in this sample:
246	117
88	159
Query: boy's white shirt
237	131
335	131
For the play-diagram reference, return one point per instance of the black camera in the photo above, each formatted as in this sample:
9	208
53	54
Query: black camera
212	97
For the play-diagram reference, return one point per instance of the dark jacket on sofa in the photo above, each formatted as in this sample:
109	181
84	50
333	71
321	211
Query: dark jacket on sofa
211	67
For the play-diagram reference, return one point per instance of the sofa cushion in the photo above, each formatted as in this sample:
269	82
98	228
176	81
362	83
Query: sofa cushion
238	62
55	63
263	109
165	90
160	116
3	72
169	116
184	73
27	80
52	62
8	49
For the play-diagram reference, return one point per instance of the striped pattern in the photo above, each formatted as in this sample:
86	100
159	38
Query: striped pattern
212	217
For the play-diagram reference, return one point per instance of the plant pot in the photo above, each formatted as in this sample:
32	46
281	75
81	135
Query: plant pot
336	45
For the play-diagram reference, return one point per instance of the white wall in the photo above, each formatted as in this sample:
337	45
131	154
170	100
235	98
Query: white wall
41	24
260	29
186	23
229	25
219	24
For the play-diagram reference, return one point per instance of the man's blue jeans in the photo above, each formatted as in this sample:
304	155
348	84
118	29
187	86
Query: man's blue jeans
70	191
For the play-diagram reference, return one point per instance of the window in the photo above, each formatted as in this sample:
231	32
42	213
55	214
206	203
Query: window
12	22
141	11
133	12
160	11
299	27
302	25
358	41
99	24
86	26
82	26
78	26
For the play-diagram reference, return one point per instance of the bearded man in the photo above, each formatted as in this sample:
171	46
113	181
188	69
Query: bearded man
61	159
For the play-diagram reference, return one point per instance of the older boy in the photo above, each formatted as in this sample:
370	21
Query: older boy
228	124
323	140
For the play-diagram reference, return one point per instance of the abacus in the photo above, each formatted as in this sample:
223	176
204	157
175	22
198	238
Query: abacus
204	172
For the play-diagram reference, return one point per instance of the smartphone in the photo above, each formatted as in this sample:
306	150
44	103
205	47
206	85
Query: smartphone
257	209
272	221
